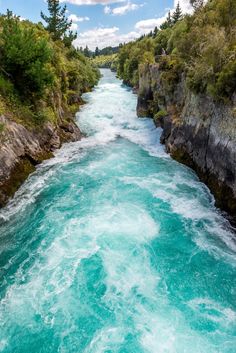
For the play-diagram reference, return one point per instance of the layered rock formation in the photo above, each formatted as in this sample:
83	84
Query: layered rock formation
21	149
197	131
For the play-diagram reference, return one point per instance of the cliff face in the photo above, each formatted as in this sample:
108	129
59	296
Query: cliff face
197	131
21	149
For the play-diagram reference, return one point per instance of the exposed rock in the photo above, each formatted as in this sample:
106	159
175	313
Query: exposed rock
21	149
197	131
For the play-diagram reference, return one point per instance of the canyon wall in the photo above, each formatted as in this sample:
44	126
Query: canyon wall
197	131
22	148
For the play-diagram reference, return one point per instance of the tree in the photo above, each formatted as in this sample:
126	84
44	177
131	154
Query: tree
155	31
25	58
168	22
86	52
69	38
177	15
96	51
57	23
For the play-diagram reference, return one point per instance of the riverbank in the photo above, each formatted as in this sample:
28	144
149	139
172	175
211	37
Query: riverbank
42	79
186	74
197	131
21	149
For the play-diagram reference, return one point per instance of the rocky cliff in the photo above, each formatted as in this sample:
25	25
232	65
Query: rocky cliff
197	131
21	149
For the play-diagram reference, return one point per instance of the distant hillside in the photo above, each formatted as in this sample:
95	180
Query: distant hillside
106	61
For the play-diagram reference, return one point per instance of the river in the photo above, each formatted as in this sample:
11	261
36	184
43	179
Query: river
113	247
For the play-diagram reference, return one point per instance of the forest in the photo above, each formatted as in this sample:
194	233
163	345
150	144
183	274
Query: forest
202	46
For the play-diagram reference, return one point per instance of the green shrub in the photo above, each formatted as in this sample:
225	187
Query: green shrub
131	56
38	75
2	127
225	84
6	87
25	57
161	114
201	46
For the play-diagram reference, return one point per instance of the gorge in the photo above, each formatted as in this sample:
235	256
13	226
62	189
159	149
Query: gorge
197	131
113	246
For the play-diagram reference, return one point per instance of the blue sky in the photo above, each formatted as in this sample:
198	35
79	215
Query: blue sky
102	22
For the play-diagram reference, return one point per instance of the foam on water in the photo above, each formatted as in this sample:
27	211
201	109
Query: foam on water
112	246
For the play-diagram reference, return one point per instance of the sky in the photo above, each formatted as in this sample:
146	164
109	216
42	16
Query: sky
102	23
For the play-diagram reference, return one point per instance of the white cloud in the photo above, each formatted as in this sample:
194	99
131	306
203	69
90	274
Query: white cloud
74	27
107	10
91	2
104	37
122	10
146	26
74	18
111	36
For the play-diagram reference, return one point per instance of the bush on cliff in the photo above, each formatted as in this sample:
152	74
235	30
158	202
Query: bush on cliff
40	79
202	46
133	54
25	58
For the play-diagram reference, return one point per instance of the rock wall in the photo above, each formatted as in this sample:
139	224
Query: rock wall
21	149
197	131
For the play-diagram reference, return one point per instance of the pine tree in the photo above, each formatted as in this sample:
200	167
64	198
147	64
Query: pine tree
96	51
69	38
155	31
86	51
177	15
168	22
57	23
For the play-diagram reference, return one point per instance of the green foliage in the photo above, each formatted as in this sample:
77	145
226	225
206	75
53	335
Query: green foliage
133	54
57	23
105	61
86	52
161	41
168	22
201	46
177	15
225	81
6	87
172	19
25	58
159	115
69	38
39	77
2	126
206	44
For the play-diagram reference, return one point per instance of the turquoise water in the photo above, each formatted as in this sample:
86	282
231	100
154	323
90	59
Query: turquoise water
113	247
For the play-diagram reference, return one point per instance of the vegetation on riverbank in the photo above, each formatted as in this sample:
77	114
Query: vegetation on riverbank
201	46
42	76
106	61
